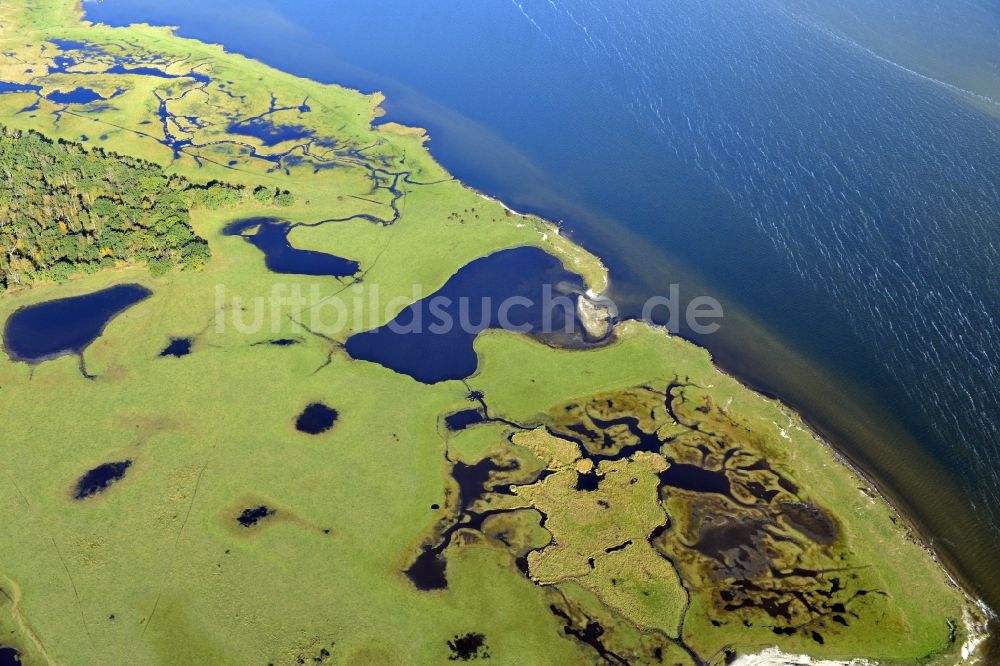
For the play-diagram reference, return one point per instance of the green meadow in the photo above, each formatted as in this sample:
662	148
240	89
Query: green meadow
799	551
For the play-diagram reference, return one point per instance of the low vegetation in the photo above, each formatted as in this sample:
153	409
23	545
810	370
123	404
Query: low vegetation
236	538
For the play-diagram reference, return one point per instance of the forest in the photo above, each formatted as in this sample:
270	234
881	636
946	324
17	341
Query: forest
66	209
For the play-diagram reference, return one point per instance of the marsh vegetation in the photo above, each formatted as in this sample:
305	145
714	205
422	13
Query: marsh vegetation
622	503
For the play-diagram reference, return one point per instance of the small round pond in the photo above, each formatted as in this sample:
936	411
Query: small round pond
316	418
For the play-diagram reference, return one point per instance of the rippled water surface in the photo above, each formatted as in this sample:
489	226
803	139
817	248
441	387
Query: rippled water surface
828	170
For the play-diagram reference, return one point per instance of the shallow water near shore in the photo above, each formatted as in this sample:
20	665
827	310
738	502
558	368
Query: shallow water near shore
842	206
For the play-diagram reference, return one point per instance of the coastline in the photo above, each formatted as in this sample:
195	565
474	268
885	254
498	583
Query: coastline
598	286
978	628
877	428
912	522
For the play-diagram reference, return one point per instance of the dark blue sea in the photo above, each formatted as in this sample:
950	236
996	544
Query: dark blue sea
828	169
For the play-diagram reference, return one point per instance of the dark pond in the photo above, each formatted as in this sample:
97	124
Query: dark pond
100	478
271	238
469	646
76	96
589	481
520	289
269	133
316	418
254	515
142	70
695	478
66	325
429	570
123	64
279	342
283	342
474	480
178	347
463	419
9	656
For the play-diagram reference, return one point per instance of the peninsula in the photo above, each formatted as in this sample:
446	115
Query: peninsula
209	472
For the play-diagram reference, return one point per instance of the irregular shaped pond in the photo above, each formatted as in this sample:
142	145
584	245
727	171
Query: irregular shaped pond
474	480
271	238
70	44
522	289
155	71
463	419
696	479
178	347
428	571
316	418
10	87
76	96
254	515
67	325
589	481
269	133
100	478
468	647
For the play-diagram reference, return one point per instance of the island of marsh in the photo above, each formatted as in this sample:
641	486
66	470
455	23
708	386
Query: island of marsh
260	496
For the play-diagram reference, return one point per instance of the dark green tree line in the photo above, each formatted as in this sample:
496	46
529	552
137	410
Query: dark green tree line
66	210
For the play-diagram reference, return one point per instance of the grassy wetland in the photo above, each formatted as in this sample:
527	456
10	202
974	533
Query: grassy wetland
254	495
